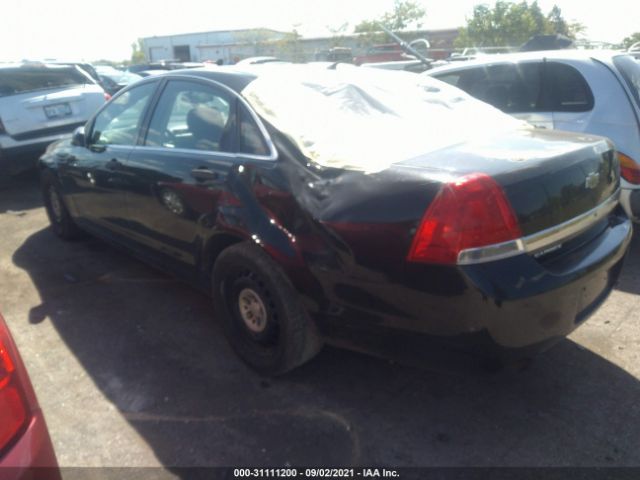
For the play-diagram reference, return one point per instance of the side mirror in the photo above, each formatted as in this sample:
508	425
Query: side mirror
78	138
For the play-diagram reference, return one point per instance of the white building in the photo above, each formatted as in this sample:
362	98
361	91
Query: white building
229	46
226	45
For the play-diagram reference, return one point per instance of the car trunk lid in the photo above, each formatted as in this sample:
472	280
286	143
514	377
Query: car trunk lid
549	177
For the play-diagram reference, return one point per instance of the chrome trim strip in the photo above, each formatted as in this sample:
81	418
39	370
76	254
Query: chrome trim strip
490	253
232	155
570	228
541	240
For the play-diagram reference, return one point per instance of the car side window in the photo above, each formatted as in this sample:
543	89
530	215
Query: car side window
251	139
568	90
512	88
192	115
119	123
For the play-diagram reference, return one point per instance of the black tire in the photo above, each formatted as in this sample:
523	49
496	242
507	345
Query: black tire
61	222
287	337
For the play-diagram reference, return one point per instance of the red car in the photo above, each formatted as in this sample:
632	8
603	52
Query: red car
25	447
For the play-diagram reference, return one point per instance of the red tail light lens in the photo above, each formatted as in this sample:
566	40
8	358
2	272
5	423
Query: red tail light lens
470	212
13	409
107	97
629	169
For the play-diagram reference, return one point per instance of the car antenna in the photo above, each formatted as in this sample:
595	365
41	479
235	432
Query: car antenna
406	47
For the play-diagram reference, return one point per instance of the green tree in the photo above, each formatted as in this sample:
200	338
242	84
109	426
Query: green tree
631	39
557	24
512	24
137	54
406	14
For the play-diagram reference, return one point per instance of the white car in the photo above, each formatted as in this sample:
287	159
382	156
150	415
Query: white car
39	104
591	91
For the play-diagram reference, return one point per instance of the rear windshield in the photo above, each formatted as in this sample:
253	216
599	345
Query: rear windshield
366	119
630	70
20	80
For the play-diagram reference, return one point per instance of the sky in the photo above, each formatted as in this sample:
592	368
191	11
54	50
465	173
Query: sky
89	30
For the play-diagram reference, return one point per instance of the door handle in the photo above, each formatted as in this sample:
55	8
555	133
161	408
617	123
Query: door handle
97	148
113	164
203	174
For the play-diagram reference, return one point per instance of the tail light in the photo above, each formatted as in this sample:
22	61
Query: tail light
107	97
470	212
629	169
14	409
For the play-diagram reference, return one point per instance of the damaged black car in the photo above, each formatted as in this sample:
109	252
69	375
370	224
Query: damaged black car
309	200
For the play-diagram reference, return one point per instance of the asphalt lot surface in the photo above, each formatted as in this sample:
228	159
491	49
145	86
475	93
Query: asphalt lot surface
132	370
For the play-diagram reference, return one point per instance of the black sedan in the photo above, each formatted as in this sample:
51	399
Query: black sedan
310	201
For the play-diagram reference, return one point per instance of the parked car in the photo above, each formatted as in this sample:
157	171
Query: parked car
389	52
87	67
163	65
115	80
587	91
334	54
259	61
309	200
148	73
24	439
39	104
416	66
146	66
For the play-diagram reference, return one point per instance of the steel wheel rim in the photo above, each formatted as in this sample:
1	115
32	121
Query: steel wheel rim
252	310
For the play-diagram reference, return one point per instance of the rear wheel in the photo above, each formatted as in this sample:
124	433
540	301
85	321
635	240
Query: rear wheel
262	315
61	222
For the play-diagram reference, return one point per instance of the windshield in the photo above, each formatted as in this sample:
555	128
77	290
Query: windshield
630	70
26	79
365	119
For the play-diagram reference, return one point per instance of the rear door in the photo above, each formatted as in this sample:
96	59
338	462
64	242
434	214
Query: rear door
514	88
180	171
39	98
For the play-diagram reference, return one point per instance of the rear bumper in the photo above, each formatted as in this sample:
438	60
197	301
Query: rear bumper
512	307
527	302
32	456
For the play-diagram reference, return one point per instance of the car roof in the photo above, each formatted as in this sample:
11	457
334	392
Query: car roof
602	55
236	78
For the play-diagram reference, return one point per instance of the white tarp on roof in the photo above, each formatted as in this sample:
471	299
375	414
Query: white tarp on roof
363	119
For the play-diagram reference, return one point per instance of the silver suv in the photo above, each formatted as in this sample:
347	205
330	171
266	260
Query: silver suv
591	91
39	104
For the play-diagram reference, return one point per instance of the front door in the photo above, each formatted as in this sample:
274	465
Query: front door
97	170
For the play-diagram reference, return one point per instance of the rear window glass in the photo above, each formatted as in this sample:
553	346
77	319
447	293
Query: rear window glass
568	90
20	80
630	70
512	88
366	119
